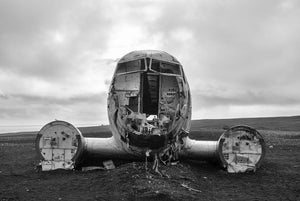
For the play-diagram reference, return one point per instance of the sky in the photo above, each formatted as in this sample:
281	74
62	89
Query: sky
241	57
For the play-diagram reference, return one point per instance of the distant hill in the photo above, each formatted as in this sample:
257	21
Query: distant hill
262	123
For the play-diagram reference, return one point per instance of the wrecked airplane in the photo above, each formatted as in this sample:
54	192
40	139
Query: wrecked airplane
149	111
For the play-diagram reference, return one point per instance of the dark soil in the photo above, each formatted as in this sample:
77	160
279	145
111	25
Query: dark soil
277	179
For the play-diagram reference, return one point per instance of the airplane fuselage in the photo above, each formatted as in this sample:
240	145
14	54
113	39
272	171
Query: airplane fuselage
149	102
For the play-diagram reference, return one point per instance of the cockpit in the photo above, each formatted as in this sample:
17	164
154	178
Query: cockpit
148	97
150	66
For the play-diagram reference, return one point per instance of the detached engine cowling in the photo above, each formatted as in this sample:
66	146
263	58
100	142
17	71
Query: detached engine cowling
60	146
241	149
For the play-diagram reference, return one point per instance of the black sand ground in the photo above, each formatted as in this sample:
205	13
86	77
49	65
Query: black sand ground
277	179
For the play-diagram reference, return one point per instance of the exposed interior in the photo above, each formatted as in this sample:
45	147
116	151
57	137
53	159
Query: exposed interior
147	92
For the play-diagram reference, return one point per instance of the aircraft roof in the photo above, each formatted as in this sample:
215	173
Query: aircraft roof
154	54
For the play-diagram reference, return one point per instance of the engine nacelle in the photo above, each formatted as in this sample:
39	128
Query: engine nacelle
60	145
241	149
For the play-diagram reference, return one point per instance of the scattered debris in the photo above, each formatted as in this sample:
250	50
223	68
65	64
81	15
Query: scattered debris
109	165
156	164
174	163
190	188
91	168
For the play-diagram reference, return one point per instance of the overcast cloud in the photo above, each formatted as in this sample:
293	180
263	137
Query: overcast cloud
57	57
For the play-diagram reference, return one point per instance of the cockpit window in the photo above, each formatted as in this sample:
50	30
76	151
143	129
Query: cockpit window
163	67
154	66
131	66
170	68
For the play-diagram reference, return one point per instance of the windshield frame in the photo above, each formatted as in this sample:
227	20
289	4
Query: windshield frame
135	71
169	74
148	67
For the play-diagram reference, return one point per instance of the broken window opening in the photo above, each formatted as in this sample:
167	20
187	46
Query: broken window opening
131	66
133	103
150	94
151	97
164	67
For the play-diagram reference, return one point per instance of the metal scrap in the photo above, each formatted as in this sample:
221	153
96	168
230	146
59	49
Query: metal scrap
190	188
